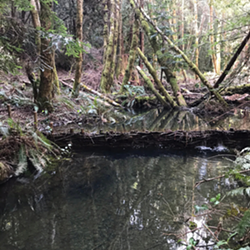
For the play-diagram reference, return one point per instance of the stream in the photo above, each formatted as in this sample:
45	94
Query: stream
117	199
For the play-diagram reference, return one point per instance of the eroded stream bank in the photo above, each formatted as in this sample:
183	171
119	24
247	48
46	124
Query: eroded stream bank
116	199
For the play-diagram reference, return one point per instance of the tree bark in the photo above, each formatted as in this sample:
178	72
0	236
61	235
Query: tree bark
170	75
188	61
106	79
116	36
105	30
45	94
196	35
211	24
79	35
132	55
151	87
37	26
232	61
152	71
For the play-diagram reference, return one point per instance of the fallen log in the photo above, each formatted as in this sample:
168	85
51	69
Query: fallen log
115	104
89	96
170	139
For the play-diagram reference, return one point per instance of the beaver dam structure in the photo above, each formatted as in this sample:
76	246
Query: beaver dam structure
170	139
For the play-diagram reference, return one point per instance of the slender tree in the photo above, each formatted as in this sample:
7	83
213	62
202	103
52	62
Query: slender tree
106	79
196	35
132	55
79	35
211	25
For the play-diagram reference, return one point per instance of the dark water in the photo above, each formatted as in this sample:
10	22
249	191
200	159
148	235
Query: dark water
110	200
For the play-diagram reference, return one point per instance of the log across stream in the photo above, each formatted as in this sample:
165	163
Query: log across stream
169	139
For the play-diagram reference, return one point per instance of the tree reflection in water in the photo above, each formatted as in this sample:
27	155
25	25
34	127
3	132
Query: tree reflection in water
117	200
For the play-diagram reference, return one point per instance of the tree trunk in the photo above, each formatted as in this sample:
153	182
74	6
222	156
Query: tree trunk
37	26
106	79
152	71
141	36
45	94
211	24
170	75
79	36
132	55
120	53
184	56
105	30
182	37
232	61
196	35
151	87
116	36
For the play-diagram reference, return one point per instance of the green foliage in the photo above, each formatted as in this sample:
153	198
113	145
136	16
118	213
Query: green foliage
28	148
224	242
216	200
244	224
8	64
191	243
200	208
134	90
74	48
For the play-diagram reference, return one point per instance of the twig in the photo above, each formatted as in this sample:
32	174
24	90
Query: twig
217	177
91	97
210	232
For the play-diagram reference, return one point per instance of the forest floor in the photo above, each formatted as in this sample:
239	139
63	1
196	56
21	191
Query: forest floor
16	102
16	91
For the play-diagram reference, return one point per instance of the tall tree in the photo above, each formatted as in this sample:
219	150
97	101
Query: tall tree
46	91
106	79
211	24
79	36
196	34
132	54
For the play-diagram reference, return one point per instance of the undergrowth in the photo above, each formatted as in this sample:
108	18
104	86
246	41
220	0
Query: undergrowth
233	220
22	150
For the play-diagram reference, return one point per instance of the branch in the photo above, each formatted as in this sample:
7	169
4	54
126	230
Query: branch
102	96
89	96
184	56
232	61
217	177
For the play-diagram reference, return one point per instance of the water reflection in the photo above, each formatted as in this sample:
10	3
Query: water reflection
164	120
108	201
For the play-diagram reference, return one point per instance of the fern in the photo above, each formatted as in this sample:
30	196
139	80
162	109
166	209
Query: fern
4	130
22	161
244	224
237	191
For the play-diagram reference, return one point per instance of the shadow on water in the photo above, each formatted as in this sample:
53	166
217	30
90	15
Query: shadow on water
109	200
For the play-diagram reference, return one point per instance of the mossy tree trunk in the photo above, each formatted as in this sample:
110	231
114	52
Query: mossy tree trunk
45	94
141	36
37	25
152	71
151	87
211	25
116	36
196	35
106	79
191	65
170	75
120	56
132	55
79	35
105	29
